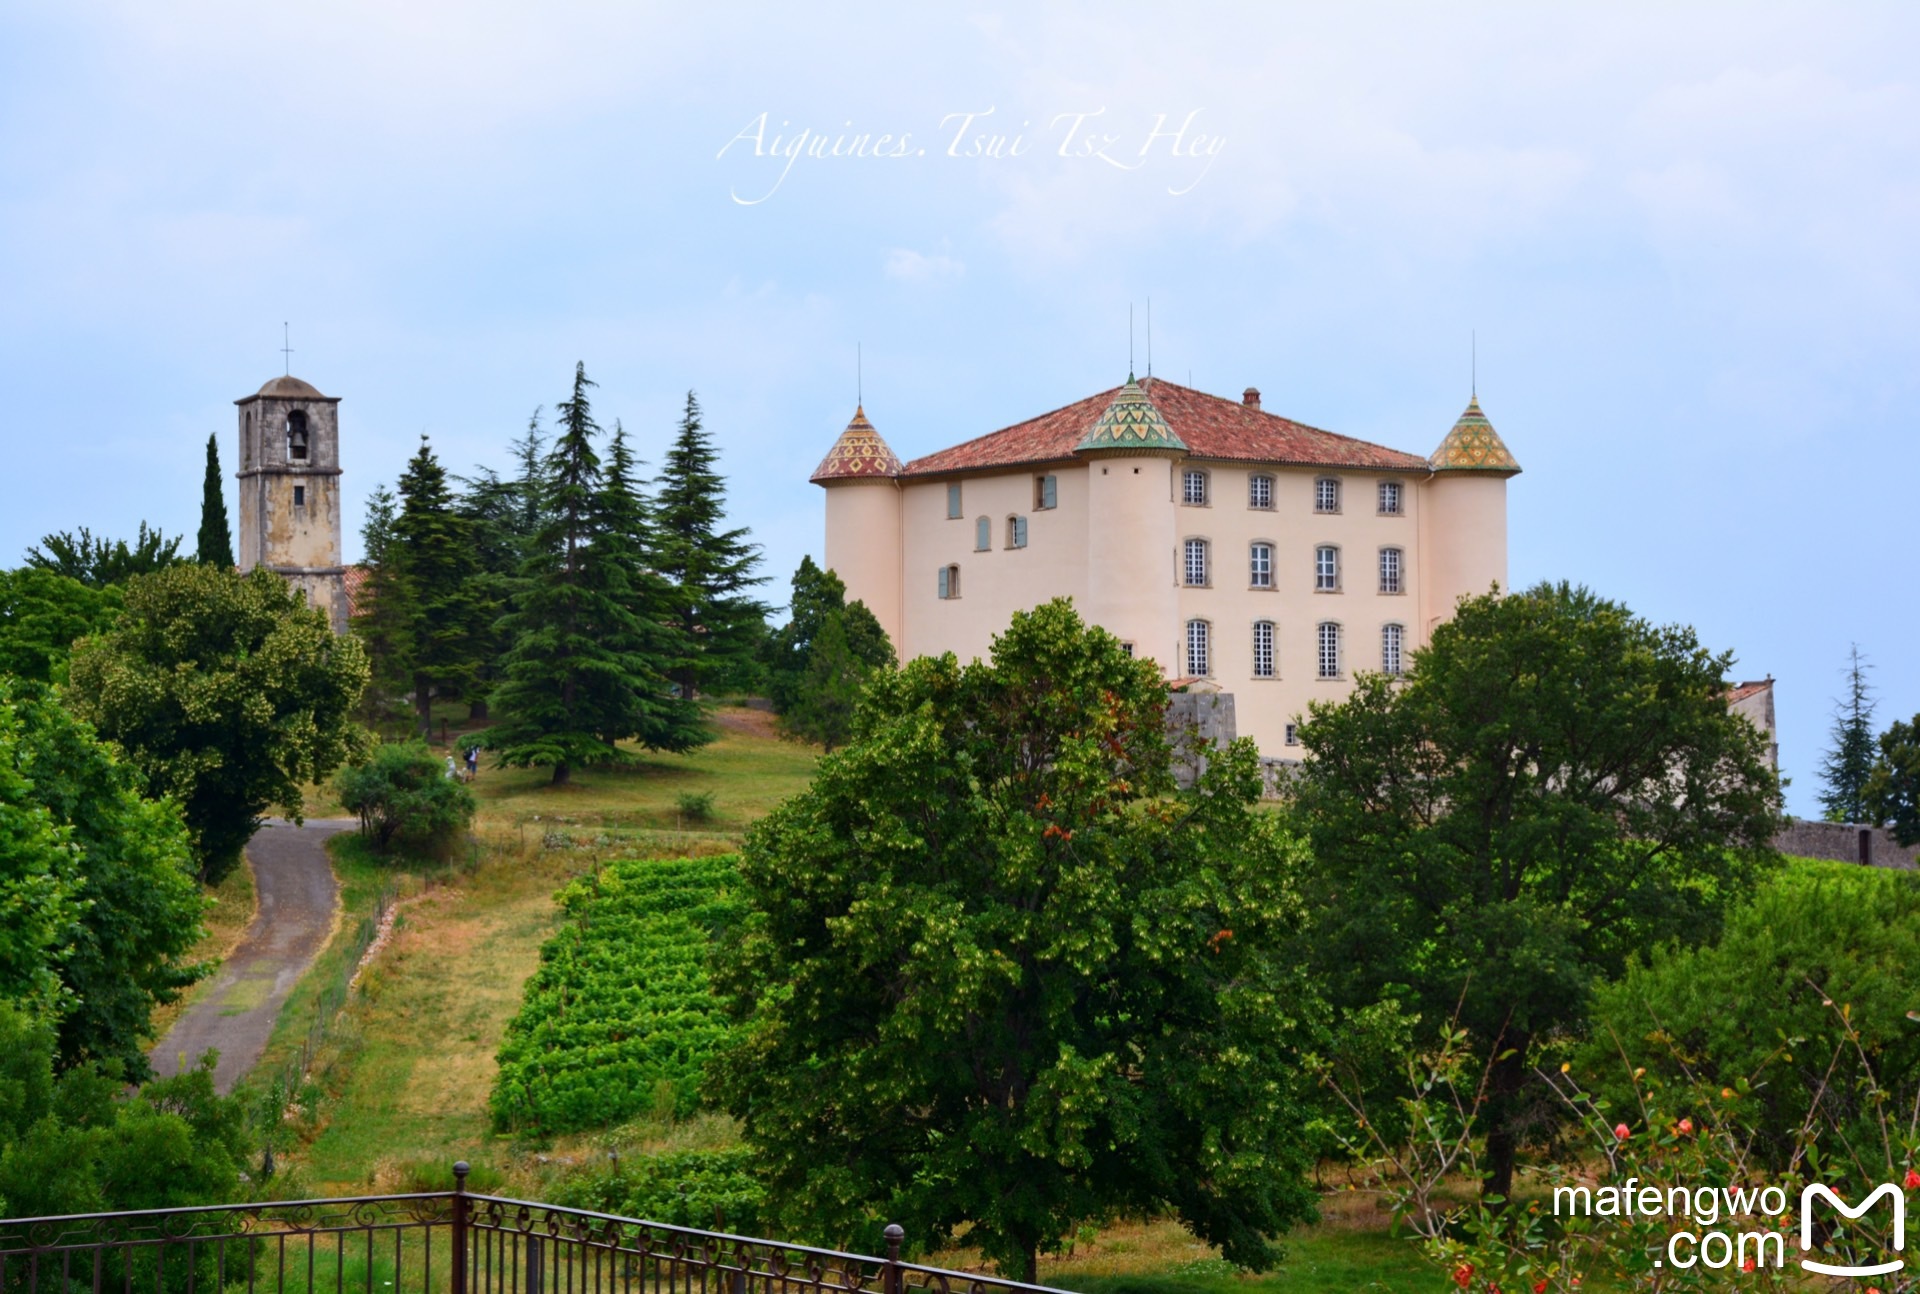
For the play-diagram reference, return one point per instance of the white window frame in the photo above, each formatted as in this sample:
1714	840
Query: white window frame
1260	564
1196	490
1293	734
955	512
1016	531
1398	493
1265	650
1257	484
1326	495
1393	570
1326	568
1199	648
1327	649
1189	567
1393	649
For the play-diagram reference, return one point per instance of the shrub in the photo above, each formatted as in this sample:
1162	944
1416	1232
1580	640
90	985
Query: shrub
1821	957
695	806
403	796
707	1189
619	1018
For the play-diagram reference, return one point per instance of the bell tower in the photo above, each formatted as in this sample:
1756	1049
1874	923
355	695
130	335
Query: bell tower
290	491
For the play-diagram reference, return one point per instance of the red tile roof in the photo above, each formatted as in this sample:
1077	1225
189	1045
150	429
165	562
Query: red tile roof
1211	425
356	581
1741	691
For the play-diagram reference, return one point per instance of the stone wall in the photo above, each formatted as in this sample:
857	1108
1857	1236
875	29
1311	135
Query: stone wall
1840	841
1198	722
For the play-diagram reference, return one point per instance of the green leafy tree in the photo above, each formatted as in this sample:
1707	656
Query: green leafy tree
711	569
214	545
1554	785
384	614
403	796
572	630
1848	761
1001	973
125	863
228	693
72	1143
818	594
1893	788
823	710
432	545
42	615
99	562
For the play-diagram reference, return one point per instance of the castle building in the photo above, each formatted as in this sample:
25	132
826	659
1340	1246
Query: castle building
290	491
1244	552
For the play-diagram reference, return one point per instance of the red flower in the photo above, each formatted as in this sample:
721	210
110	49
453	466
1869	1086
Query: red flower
1746	1264
1463	1275
1684	1127
1621	1132
1539	1287
1913	1180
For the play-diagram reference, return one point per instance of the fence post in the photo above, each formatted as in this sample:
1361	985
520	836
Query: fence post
460	1171
890	1280
1866	846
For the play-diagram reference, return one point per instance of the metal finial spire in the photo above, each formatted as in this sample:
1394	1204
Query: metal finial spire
286	349
1149	336
1129	341
1473	378
859	378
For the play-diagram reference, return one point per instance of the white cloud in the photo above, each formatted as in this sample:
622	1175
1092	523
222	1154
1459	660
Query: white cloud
909	266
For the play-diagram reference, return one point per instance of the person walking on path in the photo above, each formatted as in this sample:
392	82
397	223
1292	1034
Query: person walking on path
473	762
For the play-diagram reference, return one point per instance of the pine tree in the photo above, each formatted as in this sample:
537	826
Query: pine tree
216	539
1849	760
644	704
434	547
822	711
562	669
788	651
505	515
711	569
383	616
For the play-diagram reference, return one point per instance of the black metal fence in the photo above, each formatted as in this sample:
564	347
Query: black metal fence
447	1242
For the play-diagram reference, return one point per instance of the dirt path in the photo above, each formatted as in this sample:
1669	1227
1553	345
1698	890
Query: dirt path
235	1014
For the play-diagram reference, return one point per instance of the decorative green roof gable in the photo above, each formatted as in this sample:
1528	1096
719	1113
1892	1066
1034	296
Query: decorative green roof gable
1131	423
1473	446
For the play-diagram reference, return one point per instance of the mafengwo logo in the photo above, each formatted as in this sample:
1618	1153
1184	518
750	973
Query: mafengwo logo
1815	1192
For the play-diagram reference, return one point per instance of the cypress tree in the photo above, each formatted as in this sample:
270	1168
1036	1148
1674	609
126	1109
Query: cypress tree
565	664
434	547
1849	760
711	569
216	539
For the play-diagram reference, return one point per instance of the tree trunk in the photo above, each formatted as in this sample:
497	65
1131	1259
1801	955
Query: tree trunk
477	710
562	774
1505	1081
423	707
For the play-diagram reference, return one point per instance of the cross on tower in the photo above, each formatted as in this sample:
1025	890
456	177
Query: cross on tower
286	349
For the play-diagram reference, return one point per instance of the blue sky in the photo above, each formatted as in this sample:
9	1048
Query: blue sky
1685	237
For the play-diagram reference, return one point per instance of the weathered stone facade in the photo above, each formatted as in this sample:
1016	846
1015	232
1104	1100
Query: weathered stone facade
290	491
1842	843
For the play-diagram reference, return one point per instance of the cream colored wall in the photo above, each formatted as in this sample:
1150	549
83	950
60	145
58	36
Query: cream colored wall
863	547
1129	535
1465	528
996	583
1264	706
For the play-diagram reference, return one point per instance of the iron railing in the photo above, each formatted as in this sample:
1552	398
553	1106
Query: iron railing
446	1242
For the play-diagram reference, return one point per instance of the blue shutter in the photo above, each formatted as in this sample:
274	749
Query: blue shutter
943	581
1048	492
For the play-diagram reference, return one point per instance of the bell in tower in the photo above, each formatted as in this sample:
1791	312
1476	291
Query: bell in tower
290	491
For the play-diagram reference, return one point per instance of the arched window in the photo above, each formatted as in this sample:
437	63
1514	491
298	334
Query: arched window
1326	569
950	581
1199	648
297	437
1326	494
1196	564
1329	653
982	535
1260	566
1390	564
1392	657
1193	487
1016	532
1263	661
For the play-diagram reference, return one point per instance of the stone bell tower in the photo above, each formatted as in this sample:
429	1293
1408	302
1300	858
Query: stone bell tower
290	491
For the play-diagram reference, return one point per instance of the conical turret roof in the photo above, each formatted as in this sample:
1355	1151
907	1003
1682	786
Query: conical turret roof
858	453
1473	446
1131	422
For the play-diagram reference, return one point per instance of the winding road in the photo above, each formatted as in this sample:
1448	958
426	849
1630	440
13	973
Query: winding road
235	1015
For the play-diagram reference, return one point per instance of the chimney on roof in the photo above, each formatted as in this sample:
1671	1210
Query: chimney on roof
1252	398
